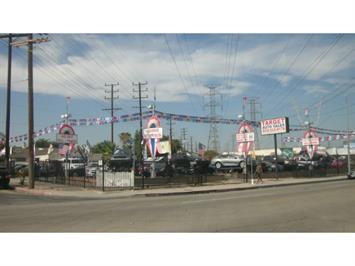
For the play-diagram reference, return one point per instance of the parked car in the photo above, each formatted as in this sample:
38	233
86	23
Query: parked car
338	163
120	161
161	167
4	177
90	169
228	160
321	159
351	175
270	166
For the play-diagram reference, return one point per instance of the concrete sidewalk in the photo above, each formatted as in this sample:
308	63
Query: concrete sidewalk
46	189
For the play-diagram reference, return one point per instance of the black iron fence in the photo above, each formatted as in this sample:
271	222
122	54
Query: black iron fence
199	173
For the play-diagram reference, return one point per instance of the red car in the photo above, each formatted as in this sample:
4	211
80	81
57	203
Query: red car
338	164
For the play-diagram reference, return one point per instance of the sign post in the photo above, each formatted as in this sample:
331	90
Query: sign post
152	134
275	146
275	126
66	136
310	141
245	138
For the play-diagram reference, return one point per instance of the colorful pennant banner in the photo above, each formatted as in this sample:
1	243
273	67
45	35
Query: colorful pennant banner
324	138
176	117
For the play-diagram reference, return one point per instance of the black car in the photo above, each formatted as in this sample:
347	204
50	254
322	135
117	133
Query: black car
121	161
4	177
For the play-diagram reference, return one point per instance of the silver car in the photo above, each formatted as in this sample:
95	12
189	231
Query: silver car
228	160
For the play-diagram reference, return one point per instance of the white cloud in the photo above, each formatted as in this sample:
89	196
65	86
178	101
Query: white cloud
316	89
89	61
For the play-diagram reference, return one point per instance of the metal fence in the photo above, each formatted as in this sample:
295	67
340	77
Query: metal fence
107	180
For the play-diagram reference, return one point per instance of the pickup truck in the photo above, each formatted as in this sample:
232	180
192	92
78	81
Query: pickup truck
4	177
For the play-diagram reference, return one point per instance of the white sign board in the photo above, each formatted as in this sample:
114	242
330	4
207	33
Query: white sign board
153	133
310	141
66	138
245	137
274	126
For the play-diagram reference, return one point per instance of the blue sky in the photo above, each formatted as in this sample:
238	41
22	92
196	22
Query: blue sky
287	72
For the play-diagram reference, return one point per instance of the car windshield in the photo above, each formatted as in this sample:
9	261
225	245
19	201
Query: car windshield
76	161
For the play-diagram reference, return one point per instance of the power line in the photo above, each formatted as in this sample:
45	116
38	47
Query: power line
285	74
178	71
312	67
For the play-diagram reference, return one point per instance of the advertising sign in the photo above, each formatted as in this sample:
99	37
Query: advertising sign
66	139
274	126
67	135
310	141
244	137
153	133
244	134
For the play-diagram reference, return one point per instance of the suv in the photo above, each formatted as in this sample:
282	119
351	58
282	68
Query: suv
228	160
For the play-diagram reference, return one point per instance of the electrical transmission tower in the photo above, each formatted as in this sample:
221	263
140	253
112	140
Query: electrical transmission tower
111	98
213	139
254	107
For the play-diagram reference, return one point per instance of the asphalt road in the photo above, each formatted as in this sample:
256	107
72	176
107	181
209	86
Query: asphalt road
322	207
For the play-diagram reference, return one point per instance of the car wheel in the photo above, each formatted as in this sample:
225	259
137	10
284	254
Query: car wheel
218	165
242	164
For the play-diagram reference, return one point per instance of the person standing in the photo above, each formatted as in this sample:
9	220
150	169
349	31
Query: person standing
259	172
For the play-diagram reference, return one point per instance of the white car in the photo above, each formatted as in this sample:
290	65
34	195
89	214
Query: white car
228	160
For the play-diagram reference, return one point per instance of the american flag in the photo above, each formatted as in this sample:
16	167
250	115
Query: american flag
63	150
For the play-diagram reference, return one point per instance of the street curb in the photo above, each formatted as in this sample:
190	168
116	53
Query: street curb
240	188
33	192
157	194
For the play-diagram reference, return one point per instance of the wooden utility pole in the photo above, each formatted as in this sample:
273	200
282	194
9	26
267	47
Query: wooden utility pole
29	42
139	84
8	95
31	157
8	105
112	92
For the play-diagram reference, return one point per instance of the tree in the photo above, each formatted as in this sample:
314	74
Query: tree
209	154
125	138
175	144
106	148
43	143
2	143
137	145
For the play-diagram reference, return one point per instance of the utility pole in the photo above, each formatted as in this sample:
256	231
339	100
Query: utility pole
254	110
31	181
213	133
348	129
171	132
8	105
29	42
8	95
112	92
183	137
140	97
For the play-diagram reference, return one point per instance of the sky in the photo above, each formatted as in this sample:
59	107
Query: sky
286	73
